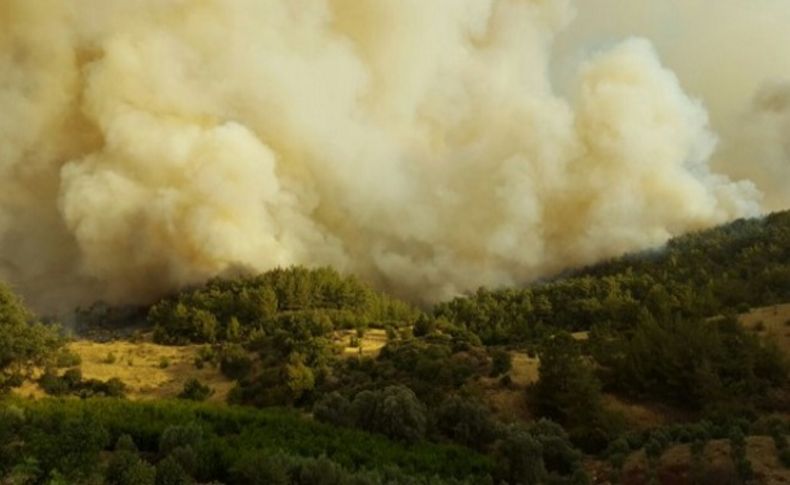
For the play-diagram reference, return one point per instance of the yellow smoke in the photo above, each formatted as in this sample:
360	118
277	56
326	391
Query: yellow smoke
424	145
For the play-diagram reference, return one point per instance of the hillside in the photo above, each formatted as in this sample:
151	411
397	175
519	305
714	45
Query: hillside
673	366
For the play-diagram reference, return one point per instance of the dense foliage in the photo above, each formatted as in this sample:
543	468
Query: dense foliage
251	307
719	271
24	342
66	438
693	363
660	329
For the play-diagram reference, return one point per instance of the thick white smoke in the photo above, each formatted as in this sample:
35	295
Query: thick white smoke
422	144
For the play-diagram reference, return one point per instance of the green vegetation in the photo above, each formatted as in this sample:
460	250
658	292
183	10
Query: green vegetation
206	443
195	391
715	272
701	365
252	307
660	328
71	382
24	343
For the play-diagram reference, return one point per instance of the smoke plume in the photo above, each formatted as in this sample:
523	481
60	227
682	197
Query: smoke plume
428	146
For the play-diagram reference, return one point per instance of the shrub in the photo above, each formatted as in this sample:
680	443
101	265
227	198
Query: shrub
520	457
501	362
424	326
744	468
110	358
235	363
67	358
170	472
333	408
180	436
72	378
466	422
164	363
394	412
195	391
125	466
52	384
260	468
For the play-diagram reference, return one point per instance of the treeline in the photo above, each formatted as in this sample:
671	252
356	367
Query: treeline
247	308
720	271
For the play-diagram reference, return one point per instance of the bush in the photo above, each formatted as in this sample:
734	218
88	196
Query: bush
260	468
235	363
195	391
334	409
180	437
394	412
67	358
424	326
125	466
520	457
170	472
72	378
466	422
110	358
164	363
52	384
501	362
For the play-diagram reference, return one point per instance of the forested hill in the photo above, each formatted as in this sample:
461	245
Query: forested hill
746	261
718	271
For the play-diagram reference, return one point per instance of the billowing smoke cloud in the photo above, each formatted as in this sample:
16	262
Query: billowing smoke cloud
424	145
731	54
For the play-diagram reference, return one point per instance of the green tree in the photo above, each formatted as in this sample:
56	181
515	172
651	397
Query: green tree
394	411
195	391
24	343
569	393
520	458
298	377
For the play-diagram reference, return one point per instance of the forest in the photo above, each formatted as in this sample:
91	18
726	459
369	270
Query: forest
660	327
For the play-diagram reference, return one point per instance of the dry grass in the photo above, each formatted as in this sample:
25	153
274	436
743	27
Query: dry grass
140	367
525	369
772	322
643	415
369	345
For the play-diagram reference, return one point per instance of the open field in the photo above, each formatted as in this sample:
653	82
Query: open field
152	371
141	366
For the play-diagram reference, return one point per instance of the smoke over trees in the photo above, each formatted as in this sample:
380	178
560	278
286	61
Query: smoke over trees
423	145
